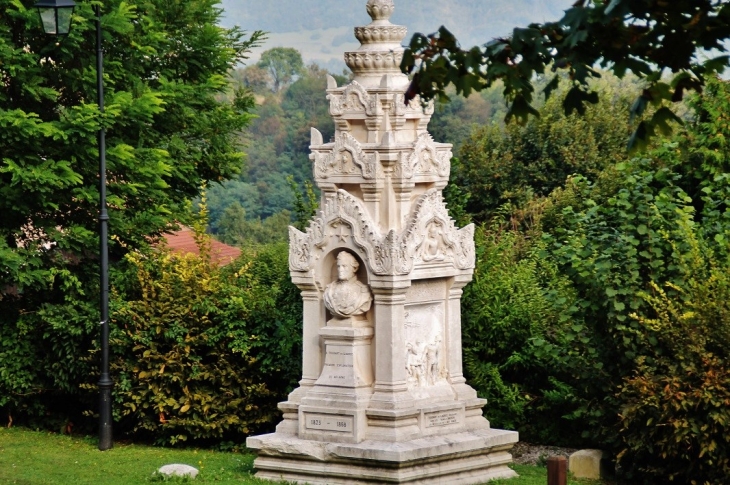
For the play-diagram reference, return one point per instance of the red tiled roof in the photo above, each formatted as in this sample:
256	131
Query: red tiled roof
183	242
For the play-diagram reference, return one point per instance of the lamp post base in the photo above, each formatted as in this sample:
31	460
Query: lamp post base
106	441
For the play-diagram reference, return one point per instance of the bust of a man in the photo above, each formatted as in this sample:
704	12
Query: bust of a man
347	297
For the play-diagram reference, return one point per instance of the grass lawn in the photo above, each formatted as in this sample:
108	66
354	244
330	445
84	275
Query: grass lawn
39	458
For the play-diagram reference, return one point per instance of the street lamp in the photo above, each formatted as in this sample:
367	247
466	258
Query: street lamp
56	19
55	15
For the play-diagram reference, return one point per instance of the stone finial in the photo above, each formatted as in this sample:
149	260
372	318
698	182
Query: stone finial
380	51
380	9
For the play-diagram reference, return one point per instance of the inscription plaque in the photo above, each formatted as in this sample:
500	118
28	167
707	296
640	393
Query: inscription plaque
338	366
329	422
442	419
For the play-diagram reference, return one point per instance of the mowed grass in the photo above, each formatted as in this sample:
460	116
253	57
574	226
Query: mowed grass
537	475
39	458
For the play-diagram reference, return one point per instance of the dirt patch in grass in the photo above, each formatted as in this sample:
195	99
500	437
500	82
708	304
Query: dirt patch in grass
530	454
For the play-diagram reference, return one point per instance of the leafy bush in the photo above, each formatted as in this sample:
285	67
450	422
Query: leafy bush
198	349
675	415
626	337
517	303
44	354
515	163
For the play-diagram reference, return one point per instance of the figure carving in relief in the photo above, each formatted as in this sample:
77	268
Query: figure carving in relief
432	248
347	296
346	164
423	348
415	362
428	163
302	254
432	360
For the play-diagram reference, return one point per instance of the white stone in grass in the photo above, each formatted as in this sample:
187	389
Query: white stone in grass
178	470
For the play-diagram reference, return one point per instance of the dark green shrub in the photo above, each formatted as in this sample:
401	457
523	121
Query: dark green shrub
517	304
45	353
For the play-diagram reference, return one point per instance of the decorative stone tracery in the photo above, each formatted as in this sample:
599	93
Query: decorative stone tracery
345	158
426	157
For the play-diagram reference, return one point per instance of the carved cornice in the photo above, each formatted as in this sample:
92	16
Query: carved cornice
354	99
430	235
415	107
346	157
384	255
377	34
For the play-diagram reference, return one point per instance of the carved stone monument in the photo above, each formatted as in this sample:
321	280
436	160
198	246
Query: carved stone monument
381	269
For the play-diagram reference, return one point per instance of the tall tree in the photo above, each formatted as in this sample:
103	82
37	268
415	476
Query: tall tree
284	64
646	37
167	132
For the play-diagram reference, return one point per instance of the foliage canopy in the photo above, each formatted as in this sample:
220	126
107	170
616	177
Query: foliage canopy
607	313
165	66
645	37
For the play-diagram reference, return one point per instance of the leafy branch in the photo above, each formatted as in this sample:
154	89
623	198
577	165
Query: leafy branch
644	37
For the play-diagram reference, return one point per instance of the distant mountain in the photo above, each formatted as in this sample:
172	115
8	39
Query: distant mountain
322	29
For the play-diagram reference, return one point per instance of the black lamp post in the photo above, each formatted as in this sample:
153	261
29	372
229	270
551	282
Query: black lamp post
56	20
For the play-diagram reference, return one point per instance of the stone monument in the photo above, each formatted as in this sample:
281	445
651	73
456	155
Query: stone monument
381	268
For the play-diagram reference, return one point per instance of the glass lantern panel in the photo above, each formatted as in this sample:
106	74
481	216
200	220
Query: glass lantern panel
64	20
48	17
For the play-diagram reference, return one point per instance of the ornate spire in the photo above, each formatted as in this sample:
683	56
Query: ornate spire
380	49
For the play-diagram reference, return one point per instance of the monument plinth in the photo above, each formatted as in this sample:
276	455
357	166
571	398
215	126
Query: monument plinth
381	267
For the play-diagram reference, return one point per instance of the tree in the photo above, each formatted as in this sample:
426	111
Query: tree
646	37
253	77
283	64
512	164
277	147
167	132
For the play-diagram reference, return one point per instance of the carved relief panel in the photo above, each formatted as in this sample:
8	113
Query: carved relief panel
425	360
426	158
431	236
346	157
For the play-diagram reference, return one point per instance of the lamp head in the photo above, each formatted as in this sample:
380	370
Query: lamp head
55	15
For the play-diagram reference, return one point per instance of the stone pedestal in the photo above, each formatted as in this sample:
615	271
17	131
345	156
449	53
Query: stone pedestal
381	267
454	459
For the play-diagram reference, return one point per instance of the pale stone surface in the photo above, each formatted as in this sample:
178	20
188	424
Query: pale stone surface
178	470
381	268
586	464
457	458
347	297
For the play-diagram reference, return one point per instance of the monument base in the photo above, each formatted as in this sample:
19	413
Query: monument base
466	458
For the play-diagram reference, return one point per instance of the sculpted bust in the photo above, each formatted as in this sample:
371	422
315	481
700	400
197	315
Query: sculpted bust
347	297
